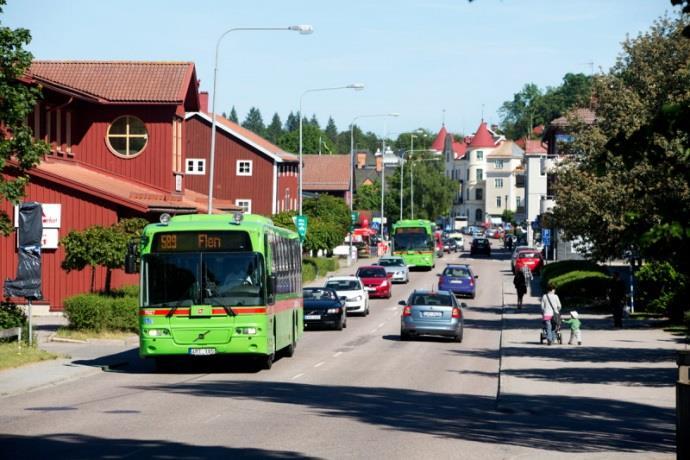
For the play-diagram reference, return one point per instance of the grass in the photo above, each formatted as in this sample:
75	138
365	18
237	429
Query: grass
86	334
11	355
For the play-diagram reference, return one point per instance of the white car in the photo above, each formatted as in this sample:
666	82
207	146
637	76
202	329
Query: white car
395	266
351	287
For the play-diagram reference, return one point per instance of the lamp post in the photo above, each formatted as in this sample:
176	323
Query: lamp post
302	29
355	86
352	164
402	167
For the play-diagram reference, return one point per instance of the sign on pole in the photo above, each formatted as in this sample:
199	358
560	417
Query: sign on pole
546	236
301	224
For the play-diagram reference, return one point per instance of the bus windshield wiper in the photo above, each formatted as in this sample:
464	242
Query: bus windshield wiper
179	303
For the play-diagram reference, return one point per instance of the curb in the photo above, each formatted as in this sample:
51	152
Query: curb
79	373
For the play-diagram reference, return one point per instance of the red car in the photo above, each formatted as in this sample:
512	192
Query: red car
376	281
531	259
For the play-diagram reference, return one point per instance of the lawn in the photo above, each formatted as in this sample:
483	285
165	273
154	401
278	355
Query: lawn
11	355
86	334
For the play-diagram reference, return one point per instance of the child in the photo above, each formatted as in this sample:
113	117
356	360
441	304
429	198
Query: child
574	324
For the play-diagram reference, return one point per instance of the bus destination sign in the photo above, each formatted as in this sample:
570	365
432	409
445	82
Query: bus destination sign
201	241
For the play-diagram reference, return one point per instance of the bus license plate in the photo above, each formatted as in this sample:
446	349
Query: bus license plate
202	351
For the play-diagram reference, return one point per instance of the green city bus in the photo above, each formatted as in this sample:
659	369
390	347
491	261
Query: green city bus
218	284
413	240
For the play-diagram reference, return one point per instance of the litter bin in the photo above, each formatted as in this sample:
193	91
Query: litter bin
683	406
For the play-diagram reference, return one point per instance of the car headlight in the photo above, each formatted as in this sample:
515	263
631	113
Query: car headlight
333	310
356	298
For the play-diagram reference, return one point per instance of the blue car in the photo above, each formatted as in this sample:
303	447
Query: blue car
458	279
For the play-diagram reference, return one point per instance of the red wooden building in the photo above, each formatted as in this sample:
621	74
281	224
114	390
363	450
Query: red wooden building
117	138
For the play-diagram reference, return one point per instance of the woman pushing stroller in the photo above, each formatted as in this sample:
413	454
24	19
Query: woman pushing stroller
550	313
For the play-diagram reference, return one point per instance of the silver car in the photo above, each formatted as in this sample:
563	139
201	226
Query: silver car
431	313
396	269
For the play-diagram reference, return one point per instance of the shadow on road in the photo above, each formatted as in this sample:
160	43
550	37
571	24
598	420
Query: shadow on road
570	424
579	354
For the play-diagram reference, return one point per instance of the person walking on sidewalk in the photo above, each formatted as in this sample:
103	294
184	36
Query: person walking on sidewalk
575	324
520	284
616	299
550	311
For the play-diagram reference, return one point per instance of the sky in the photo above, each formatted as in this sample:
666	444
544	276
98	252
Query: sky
430	61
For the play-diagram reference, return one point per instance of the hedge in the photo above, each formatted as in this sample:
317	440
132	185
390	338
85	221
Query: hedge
556	269
308	272
100	312
13	316
318	266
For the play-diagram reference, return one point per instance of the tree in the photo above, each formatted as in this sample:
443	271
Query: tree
368	197
17	101
331	132
233	115
329	208
292	123
275	129
254	122
314	121
311	136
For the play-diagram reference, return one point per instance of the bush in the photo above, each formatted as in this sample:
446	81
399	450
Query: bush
126	291
686	321
658	284
577	287
323	264
11	316
88	311
124	314
308	271
556	269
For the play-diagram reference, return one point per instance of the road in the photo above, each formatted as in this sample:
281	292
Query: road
356	393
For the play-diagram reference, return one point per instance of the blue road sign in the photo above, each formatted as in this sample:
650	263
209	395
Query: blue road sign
546	236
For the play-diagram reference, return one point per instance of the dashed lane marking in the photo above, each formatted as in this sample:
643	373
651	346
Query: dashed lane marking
319	364
297	376
381	325
337	354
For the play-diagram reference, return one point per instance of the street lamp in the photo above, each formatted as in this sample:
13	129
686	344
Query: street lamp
355	86
402	166
352	163
303	29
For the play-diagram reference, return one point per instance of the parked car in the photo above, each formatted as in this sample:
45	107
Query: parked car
530	258
397	269
449	245
350	287
428	312
515	254
376	281
458	279
323	307
480	246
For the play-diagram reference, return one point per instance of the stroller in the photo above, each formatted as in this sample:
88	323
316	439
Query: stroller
555	328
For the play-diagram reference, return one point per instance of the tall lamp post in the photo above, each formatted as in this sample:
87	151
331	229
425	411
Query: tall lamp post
355	86
302	29
352	163
402	168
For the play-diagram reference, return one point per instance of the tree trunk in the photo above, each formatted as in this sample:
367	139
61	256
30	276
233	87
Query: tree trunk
93	280
108	277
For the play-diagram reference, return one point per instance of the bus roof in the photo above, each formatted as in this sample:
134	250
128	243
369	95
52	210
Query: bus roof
190	222
413	223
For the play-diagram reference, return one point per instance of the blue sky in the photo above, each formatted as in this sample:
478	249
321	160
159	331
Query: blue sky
416	57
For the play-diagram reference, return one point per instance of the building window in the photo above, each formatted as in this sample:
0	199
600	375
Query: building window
245	204
196	166
479	194
468	194
468	173
480	155
478	215
498	201
499	164
498	183
480	175
127	136
518	201
244	167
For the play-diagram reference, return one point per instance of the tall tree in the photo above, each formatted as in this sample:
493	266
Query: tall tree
331	131
17	101
314	121
254	122
233	115
311	136
292	122
275	129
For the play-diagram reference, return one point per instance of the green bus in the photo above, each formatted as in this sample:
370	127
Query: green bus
218	284
413	240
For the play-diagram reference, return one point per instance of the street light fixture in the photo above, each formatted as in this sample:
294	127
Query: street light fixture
402	165
303	29
355	86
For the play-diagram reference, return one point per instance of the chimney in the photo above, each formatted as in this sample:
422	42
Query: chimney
203	101
379	163
361	160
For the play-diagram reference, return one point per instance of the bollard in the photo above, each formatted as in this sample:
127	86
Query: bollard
683	406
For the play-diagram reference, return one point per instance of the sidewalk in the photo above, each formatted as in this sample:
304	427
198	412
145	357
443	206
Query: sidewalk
615	394
81	359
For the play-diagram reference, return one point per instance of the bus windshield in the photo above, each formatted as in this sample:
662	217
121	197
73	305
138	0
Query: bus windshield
203	278
406	241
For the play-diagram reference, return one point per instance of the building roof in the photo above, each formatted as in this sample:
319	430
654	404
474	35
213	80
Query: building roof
126	193
247	136
459	149
326	172
532	146
440	140
586	116
119	81
507	150
482	138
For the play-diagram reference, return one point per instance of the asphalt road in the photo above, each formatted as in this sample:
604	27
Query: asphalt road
356	393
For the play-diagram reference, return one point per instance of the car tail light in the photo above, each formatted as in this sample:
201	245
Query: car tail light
471	281
457	313
407	311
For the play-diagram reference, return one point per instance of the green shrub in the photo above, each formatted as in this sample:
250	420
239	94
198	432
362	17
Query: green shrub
124	314
658	284
11	316
126	291
589	287
88	311
556	269
308	271
686	321
323	264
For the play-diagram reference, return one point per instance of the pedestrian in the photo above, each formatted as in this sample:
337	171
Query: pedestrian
575	325
520	284
550	311
616	299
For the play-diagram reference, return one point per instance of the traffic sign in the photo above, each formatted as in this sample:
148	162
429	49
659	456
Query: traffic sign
355	217
301	224
546	236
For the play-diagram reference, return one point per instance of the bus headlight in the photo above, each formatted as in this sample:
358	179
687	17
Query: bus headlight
246	330
157	332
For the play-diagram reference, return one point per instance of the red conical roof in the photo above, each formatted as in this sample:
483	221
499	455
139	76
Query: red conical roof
440	140
482	138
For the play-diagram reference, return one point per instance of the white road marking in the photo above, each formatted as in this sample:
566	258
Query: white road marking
337	354
392	308
373	330
297	376
213	418
319	364
381	325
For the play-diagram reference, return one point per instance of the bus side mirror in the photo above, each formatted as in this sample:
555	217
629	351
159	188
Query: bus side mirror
131	259
272	287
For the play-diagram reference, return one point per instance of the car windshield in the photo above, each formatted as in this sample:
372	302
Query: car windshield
371	273
391	262
528	255
430	299
319	294
343	285
458	272
480	242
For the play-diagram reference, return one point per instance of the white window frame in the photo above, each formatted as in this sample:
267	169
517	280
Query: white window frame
480	154
240	164
498	182
499	203
499	164
245	204
479	174
196	162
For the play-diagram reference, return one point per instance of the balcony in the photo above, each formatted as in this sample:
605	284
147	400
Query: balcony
547	204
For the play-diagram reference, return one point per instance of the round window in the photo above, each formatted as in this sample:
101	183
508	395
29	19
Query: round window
127	136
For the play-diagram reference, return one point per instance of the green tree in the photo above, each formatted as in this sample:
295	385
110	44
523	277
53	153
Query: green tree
314	121
311	136
233	115
275	129
331	132
508	216
368	197
329	208
17	101
254	122
292	122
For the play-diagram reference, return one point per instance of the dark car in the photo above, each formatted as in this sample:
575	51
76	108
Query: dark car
431	313
480	246
450	245
323	307
458	279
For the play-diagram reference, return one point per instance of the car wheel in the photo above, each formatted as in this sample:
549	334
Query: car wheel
340	325
366	312
458	338
344	322
404	336
472	296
